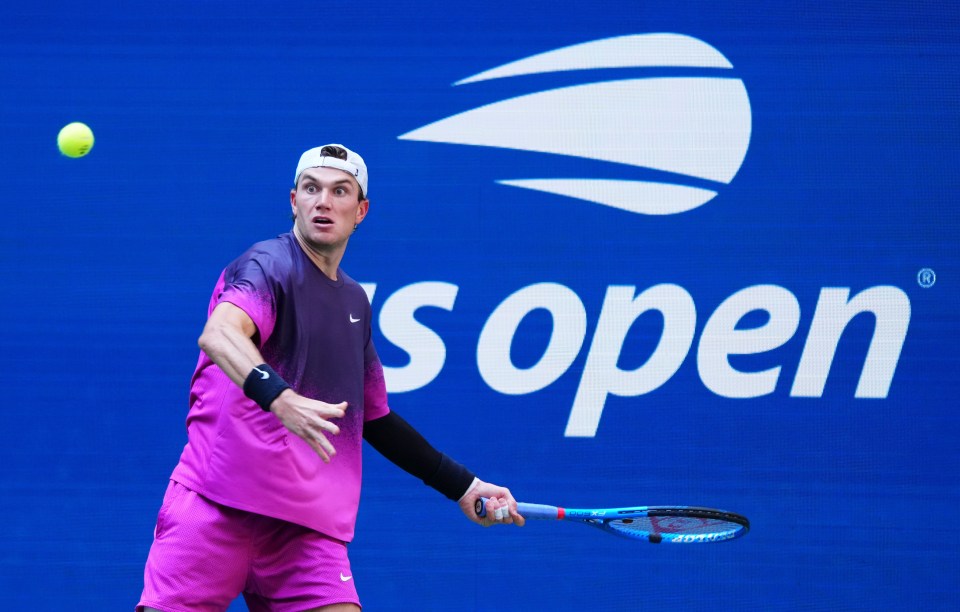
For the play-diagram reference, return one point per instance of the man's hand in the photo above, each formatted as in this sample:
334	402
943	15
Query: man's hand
497	497
309	419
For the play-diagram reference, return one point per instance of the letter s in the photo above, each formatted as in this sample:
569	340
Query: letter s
398	325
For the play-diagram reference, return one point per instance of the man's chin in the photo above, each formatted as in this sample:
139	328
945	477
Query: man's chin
323	240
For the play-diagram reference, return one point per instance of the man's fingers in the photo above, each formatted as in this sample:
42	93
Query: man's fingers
326	448
507	514
496	510
320	425
333	411
505	511
499	506
329	427
318	448
518	519
311	420
316	435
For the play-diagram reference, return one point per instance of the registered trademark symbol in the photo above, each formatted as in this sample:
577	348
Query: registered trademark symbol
926	278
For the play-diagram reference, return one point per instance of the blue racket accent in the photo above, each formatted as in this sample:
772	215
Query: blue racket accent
655	524
538	511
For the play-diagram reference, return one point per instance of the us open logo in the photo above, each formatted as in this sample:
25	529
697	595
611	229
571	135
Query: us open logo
670	143
696	128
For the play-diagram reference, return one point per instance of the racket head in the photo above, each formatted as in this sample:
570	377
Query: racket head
675	524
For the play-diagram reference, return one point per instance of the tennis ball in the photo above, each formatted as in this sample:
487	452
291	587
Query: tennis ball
75	139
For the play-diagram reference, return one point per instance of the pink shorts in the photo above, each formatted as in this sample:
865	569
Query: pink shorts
204	555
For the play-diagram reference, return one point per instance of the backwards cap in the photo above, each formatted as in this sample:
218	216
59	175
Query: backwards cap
353	165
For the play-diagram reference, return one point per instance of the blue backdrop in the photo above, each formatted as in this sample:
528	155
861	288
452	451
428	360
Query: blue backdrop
671	253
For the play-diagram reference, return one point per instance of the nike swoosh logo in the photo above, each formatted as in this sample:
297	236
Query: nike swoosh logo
263	375
352	320
345	578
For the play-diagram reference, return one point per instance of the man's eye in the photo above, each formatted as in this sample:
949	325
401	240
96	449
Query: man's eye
310	189
341	191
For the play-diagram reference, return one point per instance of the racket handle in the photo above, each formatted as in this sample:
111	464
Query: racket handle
527	511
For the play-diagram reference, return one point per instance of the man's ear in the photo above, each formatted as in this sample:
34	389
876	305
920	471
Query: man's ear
362	211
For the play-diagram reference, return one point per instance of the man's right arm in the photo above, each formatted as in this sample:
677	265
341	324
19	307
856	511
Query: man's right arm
227	340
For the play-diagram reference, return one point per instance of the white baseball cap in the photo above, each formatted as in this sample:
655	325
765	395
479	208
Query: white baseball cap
353	165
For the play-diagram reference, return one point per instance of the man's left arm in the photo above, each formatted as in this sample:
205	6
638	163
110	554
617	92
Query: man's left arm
404	446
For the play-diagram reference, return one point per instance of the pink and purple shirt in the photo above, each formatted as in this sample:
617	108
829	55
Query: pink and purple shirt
315	332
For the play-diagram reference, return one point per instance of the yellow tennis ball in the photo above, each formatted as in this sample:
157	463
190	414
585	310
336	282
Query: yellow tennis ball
75	139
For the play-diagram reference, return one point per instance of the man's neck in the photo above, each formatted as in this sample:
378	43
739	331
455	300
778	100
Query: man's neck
326	261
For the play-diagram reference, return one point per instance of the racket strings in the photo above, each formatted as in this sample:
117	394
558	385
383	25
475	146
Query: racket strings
672	524
668	526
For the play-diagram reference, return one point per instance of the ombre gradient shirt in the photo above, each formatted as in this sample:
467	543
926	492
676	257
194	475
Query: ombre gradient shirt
315	332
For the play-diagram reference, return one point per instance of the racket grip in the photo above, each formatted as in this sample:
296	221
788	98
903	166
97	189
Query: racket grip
527	511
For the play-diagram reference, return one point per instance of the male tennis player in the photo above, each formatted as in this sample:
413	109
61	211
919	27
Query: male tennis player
264	499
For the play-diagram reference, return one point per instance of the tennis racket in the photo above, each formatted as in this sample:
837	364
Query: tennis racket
655	524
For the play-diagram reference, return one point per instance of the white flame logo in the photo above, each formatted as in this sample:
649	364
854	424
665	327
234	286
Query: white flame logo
693	126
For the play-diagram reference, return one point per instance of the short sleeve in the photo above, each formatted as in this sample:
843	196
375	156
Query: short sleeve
374	386
247	285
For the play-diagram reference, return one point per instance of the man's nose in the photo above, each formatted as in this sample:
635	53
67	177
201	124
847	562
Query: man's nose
323	198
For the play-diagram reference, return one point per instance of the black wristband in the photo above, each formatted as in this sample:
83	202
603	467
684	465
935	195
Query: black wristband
263	385
451	479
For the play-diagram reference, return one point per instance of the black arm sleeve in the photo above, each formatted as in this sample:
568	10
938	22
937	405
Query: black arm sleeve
399	442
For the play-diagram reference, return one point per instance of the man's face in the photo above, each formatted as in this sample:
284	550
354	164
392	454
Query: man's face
326	207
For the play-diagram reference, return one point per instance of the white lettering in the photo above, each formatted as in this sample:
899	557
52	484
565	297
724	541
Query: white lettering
369	289
569	329
891	309
602	376
721	338
398	325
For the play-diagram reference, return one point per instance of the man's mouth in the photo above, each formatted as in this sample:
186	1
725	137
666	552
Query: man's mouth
320	220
